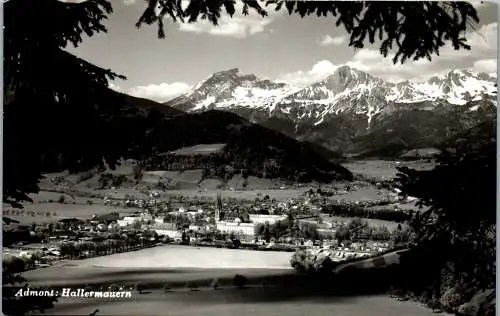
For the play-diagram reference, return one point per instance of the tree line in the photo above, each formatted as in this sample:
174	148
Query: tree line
353	210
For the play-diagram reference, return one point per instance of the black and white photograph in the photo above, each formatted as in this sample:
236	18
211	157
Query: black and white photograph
249	157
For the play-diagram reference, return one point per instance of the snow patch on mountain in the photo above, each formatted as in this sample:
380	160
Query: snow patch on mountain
346	90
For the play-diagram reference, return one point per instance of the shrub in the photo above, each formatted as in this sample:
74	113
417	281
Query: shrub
215	284
453	297
166	287
138	171
114	287
192	286
61	199
240	280
139	287
85	176
299	261
264	283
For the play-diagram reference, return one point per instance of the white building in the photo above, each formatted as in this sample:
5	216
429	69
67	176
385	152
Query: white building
146	217
174	234
245	229
159	220
197	227
271	219
128	220
166	230
102	227
112	226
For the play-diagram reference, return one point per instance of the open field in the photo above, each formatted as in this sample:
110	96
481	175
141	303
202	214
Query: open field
366	193
287	292
191	183
46	196
66	274
383	169
162	263
171	256
246	194
201	149
80	209
371	221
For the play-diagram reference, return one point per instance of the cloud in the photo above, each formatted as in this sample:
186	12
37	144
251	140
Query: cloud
235	27
483	44
239	26
486	65
129	2
300	78
482	58
115	87
372	62
158	92
483	53
327	40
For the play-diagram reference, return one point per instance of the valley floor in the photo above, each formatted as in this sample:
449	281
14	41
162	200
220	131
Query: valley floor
178	265
284	292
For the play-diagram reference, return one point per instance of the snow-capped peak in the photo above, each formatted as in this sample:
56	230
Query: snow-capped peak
346	90
232	88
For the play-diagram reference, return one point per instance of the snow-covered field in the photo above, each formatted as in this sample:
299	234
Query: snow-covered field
192	257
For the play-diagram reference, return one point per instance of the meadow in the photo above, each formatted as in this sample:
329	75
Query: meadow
383	169
285	292
173	256
160	263
42	211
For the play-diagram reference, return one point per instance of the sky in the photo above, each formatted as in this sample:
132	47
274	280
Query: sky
278	47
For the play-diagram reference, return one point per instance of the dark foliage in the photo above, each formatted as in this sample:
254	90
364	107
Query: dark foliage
346	210
12	283
414	30
140	287
460	224
240	281
52	97
287	228
306	262
49	118
191	285
167	287
107	180
250	149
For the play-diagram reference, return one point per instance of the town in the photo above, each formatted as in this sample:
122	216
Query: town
263	224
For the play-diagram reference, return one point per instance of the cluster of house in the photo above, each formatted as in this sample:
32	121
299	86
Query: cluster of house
157	215
245	230
344	251
40	255
233	226
260	211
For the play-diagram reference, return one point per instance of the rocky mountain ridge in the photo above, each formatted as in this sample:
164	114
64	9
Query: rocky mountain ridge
336	111
346	90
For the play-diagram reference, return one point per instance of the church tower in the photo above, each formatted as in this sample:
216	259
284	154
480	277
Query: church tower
218	210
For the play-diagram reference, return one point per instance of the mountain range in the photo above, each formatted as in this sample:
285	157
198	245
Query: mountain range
350	111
